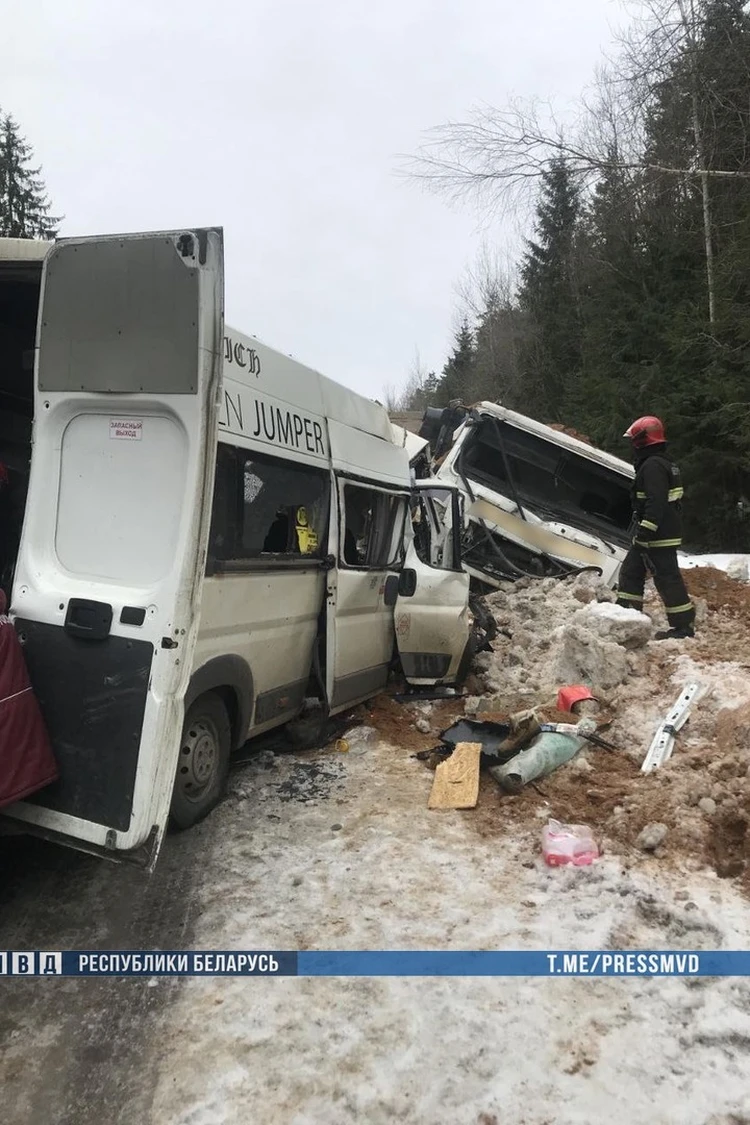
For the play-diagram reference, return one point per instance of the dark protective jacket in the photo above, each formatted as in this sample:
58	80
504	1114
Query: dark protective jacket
657	499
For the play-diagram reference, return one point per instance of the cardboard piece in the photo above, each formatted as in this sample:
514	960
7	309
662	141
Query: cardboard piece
456	784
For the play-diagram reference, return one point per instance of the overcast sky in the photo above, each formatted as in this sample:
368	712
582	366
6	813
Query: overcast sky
282	120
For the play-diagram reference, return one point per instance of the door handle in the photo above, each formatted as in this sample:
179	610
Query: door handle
87	620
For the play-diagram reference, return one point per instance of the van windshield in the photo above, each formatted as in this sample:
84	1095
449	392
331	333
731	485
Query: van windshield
554	481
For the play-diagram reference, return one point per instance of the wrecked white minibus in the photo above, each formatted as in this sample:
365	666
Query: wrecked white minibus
538	502
209	535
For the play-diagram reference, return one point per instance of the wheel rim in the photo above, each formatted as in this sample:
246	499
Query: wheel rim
199	758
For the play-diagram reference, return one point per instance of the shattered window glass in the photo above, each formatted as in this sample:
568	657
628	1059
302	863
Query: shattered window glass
373	527
268	507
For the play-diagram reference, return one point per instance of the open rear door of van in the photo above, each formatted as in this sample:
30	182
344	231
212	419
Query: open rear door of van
107	588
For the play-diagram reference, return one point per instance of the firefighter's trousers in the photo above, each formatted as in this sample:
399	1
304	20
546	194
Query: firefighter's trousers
661	563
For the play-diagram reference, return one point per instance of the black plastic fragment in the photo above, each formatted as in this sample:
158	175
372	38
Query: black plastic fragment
491	736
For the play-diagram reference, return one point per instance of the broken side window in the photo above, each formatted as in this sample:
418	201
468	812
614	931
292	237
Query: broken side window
437	528
268	508
373	528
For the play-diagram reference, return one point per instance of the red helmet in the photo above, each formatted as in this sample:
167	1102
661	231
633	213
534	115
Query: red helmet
646	431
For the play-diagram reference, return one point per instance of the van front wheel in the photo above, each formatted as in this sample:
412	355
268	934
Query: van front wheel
203	764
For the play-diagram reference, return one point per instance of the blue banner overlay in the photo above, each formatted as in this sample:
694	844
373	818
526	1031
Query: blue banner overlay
376	963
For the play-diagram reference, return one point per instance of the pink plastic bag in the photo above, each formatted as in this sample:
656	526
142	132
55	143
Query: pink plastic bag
568	843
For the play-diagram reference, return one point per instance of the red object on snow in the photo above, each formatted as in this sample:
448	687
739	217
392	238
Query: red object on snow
26	759
567	697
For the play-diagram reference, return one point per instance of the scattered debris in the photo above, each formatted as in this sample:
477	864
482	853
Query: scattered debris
650	837
584	728
738	569
568	697
495	738
423	726
660	750
568	843
456	784
548	750
608	790
707	805
357	740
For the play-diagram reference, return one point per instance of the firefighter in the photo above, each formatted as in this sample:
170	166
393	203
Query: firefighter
657	530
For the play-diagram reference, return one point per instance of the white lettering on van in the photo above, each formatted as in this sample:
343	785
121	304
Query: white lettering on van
126	429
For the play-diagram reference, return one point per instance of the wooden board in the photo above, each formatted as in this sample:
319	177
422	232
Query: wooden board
456	784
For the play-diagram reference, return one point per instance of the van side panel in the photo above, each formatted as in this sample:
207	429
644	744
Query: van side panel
270	621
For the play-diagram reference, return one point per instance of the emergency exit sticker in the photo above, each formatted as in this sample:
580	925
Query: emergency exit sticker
126	429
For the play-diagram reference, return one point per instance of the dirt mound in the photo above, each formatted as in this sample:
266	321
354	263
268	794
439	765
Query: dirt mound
718	590
729	843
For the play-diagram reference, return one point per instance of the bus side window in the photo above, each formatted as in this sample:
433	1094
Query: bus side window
267	507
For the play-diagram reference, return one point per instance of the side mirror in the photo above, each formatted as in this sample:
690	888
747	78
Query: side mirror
407	583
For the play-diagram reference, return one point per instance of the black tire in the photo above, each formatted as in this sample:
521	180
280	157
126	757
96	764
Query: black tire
203	764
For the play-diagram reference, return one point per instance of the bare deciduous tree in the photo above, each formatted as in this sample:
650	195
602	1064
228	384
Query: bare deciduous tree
497	155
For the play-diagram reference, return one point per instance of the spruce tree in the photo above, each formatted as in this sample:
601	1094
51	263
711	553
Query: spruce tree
457	378
25	210
551	357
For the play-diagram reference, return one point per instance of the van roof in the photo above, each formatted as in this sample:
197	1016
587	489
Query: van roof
23	250
285	378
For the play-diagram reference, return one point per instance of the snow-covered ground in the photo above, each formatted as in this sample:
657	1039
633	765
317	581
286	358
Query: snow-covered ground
333	851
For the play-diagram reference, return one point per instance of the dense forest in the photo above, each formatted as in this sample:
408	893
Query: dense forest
632	293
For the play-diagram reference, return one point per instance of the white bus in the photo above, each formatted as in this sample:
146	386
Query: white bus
538	501
210	535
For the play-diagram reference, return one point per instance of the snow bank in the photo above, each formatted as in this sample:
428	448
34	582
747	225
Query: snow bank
555	640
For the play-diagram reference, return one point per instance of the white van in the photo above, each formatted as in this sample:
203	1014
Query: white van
539	502
212	534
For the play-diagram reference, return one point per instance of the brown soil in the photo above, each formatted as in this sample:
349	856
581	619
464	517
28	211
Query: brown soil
719	591
395	721
570	432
